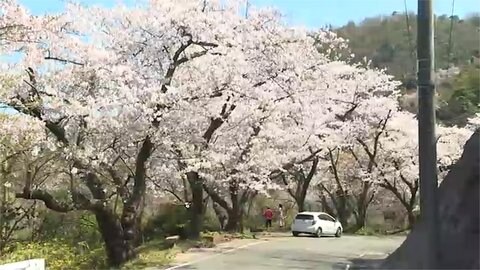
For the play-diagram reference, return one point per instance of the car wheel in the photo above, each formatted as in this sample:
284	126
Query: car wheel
319	232
339	232
295	234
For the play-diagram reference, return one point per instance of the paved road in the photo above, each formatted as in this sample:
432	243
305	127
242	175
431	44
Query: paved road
296	253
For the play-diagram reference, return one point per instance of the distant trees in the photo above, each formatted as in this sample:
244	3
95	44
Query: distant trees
464	97
386	41
390	42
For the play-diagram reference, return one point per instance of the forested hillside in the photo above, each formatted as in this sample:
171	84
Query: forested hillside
390	42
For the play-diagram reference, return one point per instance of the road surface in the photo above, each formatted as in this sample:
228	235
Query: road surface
292	253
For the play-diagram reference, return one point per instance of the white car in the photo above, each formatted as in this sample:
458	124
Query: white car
316	223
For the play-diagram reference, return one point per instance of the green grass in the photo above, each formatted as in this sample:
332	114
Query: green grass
158	253
152	254
369	231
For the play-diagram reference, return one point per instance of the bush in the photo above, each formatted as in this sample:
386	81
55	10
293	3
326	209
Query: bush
72	227
58	255
369	231
210	221
171	220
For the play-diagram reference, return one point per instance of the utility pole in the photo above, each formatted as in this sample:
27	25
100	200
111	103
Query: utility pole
426	132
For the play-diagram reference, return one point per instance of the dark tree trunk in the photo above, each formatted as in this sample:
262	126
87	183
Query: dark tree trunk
233	222
411	218
131	221
326	206
341	207
363	202
409	205
235	213
303	183
133	208
117	248
300	204
240	222
343	211
196	209
359	223
221	215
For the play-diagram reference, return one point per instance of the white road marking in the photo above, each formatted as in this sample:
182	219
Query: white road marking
215	255
373	253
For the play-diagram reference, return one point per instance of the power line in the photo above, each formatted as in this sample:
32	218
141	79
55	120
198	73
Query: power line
410	39
450	39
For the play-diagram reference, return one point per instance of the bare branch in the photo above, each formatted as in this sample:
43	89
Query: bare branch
65	61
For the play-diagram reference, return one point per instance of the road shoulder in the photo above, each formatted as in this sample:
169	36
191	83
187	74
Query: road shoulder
195	255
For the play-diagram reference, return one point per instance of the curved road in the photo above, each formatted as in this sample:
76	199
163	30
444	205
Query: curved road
291	253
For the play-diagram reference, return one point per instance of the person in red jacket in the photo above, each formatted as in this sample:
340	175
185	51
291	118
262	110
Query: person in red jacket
268	215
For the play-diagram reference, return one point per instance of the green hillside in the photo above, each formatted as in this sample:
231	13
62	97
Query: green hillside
390	44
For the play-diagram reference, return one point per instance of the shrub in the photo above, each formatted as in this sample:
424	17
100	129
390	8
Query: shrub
210	221
369	231
58	255
72	227
171	220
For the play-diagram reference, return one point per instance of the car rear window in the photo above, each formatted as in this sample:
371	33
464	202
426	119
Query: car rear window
304	217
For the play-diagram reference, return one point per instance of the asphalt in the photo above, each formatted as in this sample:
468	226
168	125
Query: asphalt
294	253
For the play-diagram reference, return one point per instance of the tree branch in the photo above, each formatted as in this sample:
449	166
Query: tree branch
216	198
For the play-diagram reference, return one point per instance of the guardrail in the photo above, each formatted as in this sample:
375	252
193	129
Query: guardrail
35	264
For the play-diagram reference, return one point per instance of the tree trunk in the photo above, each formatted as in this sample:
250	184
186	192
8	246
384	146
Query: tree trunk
300	203
221	215
131	221
240	222
133	207
235	213
196	209
401	196
360	219
235	219
233	222
408	205
411	218
326	207
363	202
250	204
341	209
117	248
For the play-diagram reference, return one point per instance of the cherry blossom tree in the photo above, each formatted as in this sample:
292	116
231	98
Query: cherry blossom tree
22	166
275	73
310	94
358	103
397	167
117	87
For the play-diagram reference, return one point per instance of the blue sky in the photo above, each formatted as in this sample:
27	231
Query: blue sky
309	13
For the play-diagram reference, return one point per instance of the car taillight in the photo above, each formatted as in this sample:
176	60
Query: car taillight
313	222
